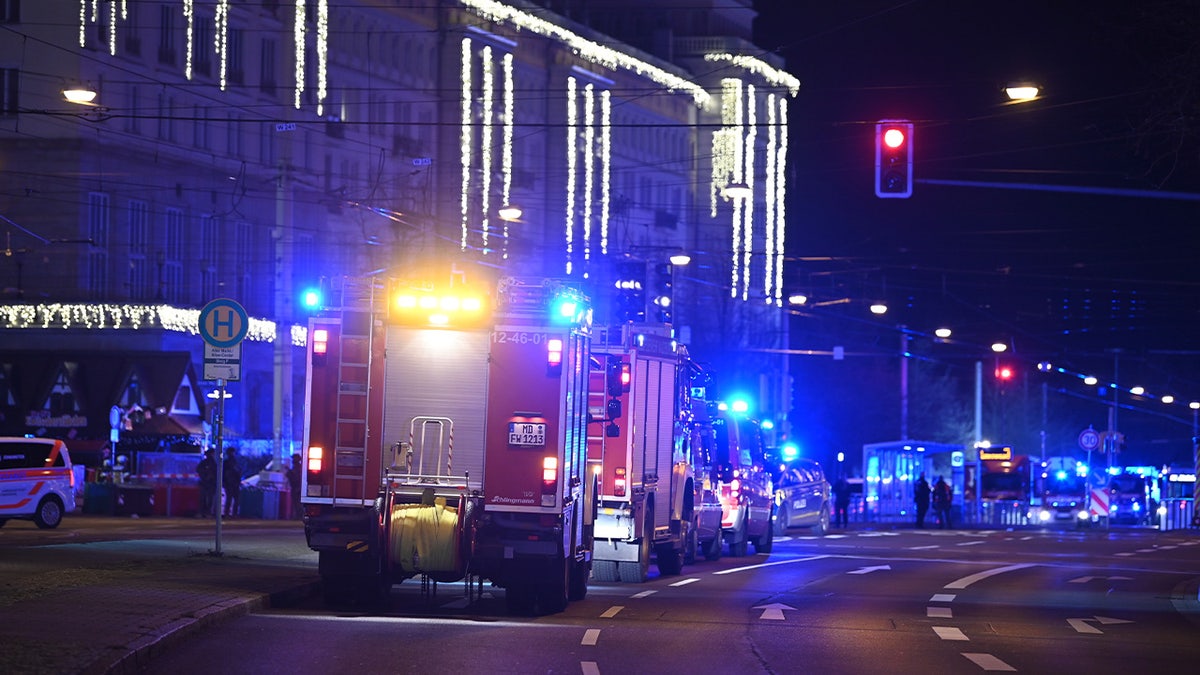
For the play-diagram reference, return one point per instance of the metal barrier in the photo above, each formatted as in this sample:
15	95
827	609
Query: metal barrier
1176	514
1003	514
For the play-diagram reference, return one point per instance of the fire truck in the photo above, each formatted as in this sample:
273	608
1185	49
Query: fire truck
445	439
640	445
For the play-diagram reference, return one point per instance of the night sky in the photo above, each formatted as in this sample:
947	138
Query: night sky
1094	282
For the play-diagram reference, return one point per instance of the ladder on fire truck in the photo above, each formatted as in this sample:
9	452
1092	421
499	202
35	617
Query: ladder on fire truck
355	307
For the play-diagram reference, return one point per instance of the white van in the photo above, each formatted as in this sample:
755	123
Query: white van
36	480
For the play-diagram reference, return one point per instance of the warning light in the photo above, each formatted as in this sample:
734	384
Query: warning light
554	350
893	159
1004	373
311	298
619	484
315	457
320	344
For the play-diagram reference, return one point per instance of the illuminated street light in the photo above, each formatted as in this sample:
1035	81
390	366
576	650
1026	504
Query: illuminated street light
1090	381
680	259
1167	398
999	347
878	308
509	212
1137	391
797	299
79	95
943	333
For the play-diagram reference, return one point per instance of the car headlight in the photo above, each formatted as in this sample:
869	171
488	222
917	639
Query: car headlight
1082	515
1044	515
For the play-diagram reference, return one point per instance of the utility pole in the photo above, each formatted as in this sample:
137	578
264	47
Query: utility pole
283	234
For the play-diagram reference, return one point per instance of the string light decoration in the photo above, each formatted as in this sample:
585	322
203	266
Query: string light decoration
322	54
506	156
751	135
485	139
299	35
103	316
589	169
780	198
189	15
572	152
769	230
116	9
771	74
592	52
605	170
465	139
221	40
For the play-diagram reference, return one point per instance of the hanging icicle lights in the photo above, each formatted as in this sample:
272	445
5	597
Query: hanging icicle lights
122	317
589	154
481	116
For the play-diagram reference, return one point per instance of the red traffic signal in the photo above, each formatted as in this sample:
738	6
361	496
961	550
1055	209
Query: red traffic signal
893	159
1004	373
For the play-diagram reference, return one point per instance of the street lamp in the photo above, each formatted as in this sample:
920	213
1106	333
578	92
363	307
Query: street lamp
1020	92
79	95
510	212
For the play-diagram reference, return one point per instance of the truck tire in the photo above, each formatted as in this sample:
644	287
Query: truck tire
739	541
578	581
765	542
712	549
691	543
670	560
519	599
604	570
552	595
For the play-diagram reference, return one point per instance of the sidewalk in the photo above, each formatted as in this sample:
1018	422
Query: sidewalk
108	607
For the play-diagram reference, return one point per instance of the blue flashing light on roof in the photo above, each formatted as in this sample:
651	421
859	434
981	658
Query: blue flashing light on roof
310	298
789	452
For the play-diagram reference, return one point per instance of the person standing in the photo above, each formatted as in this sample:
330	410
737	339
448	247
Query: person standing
207	472
922	500
232	481
841	501
942	497
294	483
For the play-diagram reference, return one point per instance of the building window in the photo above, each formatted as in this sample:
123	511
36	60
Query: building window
172	271
210	247
139	231
266	143
98	215
235	61
166	34
233	135
133	123
200	128
133	37
203	46
266	73
8	91
166	129
10	11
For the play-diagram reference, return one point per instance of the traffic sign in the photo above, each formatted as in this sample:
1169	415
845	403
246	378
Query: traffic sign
223	363
223	323
1089	439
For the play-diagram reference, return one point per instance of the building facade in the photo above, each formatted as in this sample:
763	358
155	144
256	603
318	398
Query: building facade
254	149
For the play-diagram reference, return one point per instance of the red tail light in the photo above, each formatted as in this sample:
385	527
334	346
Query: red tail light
316	459
619	483
320	341
549	474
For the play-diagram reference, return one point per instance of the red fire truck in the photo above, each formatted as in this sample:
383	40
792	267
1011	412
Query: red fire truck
446	438
640	446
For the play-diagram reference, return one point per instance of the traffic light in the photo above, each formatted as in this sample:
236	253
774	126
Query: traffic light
893	159
629	297
664	293
1004	373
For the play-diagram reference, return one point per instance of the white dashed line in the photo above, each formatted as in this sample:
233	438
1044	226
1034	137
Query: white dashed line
1168	547
970	543
1026	538
1124	554
685	582
988	662
950	633
942	597
611	612
939	613
589	668
980	576
643	594
1145	550
590	637
923	548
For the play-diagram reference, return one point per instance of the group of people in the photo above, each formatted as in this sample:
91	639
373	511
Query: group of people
231	481
940	496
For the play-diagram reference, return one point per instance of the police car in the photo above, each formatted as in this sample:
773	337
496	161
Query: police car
802	497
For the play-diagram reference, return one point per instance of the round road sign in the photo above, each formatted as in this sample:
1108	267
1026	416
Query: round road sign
1089	439
223	323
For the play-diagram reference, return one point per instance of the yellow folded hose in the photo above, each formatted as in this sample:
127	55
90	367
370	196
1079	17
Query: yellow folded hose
425	537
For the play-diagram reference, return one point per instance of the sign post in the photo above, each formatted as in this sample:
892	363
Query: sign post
223	324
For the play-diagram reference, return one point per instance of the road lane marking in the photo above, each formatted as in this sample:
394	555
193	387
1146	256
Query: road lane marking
924	548
685	582
643	594
1084	580
589	668
590	637
942	597
1082	625
773	611
868	570
1168	547
1125	554
969	543
1145	550
939	613
988	662
1026	538
611	612
962	583
950	633
770	564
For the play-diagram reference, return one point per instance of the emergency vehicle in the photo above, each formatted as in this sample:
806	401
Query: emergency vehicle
1063	489
446	438
640	446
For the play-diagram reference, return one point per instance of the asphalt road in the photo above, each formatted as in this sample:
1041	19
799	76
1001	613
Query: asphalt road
866	601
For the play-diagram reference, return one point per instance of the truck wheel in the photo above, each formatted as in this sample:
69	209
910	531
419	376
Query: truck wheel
49	513
764	542
604	570
552	596
738	544
519	600
670	560
691	542
578	581
712	551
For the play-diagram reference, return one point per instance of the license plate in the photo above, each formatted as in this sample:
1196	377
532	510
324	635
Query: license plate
526	433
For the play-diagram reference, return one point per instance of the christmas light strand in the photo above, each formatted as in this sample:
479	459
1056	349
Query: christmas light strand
759	67
506	157
299	36
488	85
465	139
106	316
